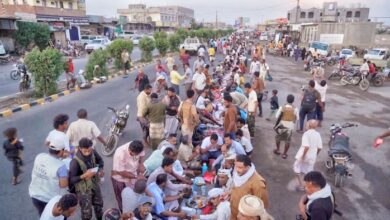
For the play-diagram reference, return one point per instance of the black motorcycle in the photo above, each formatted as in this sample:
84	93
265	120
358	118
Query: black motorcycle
18	70
355	77
339	161
25	82
115	129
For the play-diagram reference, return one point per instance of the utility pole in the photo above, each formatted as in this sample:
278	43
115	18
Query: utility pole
296	13
216	20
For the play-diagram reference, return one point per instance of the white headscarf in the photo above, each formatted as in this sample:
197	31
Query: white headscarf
240	180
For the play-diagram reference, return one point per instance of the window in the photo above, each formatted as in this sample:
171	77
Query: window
310	15
52	3
321	14
338	14
61	4
357	14
349	14
70	5
303	14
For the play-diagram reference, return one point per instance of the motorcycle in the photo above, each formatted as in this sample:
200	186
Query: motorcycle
355	77
4	59
18	70
339	161
25	82
332	60
115	129
377	79
339	72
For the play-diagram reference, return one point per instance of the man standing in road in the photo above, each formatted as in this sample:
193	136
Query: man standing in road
189	76
83	128
128	166
141	81
199	81
246	181
172	101
49	176
85	181
258	86
155	114
254	67
321	87
264	69
318	201
251	108
176	78
188	115
229	123
198	63
308	152
308	105
143	99
60	124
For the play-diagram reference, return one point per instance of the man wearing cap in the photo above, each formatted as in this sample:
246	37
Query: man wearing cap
246	181
222	211
252	208
172	101
49	176
155	113
225	179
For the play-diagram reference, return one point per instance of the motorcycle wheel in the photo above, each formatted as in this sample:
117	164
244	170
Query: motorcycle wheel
364	84
344	81
338	180
112	142
14	75
377	81
355	80
331	62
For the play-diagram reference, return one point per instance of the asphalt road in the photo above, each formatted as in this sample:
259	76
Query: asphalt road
364	196
9	86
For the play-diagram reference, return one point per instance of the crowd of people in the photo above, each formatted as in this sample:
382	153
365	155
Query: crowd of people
207	134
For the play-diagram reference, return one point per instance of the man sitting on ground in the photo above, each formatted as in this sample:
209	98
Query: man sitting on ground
211	147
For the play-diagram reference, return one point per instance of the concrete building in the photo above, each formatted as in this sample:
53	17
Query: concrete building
162	17
63	17
330	12
215	25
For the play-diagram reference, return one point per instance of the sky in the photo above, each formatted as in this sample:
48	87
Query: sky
229	10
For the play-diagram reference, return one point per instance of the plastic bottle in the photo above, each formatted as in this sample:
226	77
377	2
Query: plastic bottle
204	169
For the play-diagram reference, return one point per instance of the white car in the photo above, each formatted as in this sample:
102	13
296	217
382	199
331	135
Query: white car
136	39
96	44
264	36
347	53
191	45
377	54
2	49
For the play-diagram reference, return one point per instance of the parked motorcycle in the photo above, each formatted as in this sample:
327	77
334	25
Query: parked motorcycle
340	71
339	161
115	129
356	78
332	60
17	71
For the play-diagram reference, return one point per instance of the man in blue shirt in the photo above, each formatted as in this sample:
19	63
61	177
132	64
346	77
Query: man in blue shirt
164	204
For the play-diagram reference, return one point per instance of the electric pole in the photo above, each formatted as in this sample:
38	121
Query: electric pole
296	13
216	20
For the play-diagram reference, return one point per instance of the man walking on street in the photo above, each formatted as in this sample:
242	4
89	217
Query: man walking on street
172	101
229	123
155	114
321	87
308	105
143	99
251	108
308	152
246	181
189	75
188	115
258	86
83	128
85	180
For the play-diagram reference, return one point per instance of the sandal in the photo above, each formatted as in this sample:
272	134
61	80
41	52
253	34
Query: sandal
276	152
15	181
284	156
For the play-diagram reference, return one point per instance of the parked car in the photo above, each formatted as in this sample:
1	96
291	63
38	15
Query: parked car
322	48
126	35
96	44
2	49
377	54
264	36
136	39
191	45
347	53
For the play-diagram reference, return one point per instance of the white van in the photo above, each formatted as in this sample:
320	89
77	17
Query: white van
2	49
377	54
322	48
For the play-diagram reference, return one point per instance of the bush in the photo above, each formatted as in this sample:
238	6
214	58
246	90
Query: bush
162	45
30	33
147	46
182	33
97	57
46	66
174	42
116	48
160	35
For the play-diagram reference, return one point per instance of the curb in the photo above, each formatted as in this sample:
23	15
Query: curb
42	101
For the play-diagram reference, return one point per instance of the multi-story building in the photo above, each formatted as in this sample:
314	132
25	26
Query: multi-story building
63	16
330	12
162	17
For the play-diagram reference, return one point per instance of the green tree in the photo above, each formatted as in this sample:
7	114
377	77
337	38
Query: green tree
162	45
116	48
160	35
30	34
147	46
99	58
174	42
182	33
46	66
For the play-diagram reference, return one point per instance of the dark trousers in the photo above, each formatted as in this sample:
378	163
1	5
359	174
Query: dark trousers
16	164
210	155
311	114
88	200
319	112
259	99
118	187
39	205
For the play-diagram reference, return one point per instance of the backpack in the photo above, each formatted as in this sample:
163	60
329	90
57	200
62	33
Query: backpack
309	100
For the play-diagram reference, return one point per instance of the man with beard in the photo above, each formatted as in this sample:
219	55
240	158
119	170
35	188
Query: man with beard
246	181
85	171
172	101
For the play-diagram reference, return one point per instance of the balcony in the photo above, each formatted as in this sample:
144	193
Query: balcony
10	10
